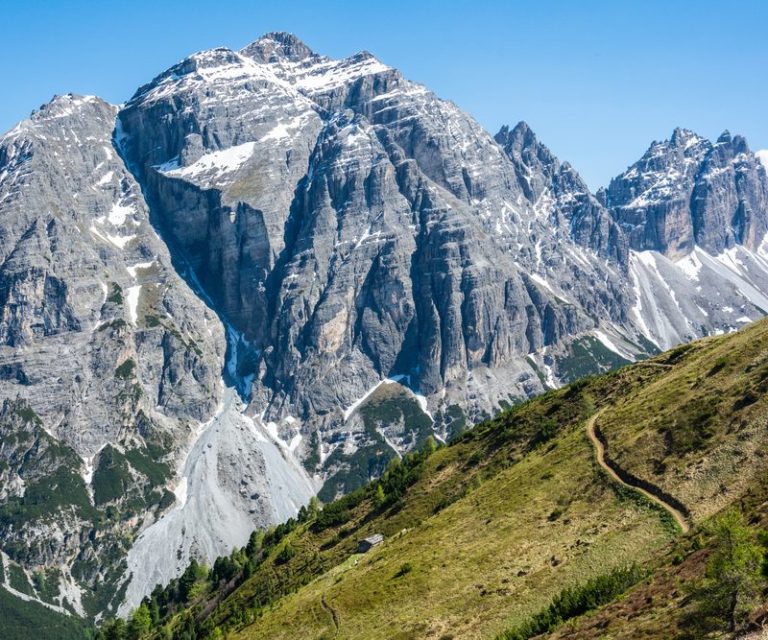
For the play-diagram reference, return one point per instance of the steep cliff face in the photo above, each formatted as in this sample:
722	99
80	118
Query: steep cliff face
110	363
111	355
558	188
684	225
192	136
694	214
353	227
687	192
87	286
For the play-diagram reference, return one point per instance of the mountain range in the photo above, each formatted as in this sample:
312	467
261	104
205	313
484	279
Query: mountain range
269	273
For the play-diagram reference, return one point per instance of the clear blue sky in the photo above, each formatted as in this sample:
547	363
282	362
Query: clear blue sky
597	80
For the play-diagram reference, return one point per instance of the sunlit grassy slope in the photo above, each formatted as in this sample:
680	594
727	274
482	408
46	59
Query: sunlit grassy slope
490	528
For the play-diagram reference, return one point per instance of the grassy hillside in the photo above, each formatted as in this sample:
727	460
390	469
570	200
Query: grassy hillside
515	521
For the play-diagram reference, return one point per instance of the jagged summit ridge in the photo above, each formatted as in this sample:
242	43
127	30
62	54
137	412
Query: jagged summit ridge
277	58
278	46
687	191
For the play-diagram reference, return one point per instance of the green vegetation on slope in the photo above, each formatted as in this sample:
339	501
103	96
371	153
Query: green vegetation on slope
576	601
732	581
24	620
491	528
586	356
390	404
125	484
698	430
514	528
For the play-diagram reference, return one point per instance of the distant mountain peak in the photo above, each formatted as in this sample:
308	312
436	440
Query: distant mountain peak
59	106
737	144
522	127
521	137
65	101
520	131
682	137
278	46
725	137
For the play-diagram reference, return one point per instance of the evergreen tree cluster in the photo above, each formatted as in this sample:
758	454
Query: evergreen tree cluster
184	599
576	601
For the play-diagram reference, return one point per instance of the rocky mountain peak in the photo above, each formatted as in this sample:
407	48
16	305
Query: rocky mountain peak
725	137
53	121
740	145
557	192
351	230
508	135
529	155
67	105
688	192
226	70
64	101
208	59
363	55
684	139
518	138
278	46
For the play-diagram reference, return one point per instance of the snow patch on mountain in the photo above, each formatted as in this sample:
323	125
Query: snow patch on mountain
139	266
731	271
543	362
690	265
328	75
118	241
119	213
213	167
611	345
674	299
106	179
763	157
132	299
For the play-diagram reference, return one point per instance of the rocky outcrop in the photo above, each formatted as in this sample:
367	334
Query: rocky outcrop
558	188
687	192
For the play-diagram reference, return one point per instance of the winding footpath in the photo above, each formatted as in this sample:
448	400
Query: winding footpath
600	455
333	614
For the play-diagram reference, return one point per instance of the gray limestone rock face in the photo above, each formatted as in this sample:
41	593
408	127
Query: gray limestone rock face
101	341
191	136
544	179
352	226
687	192
730	197
115	359
86	285
651	200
